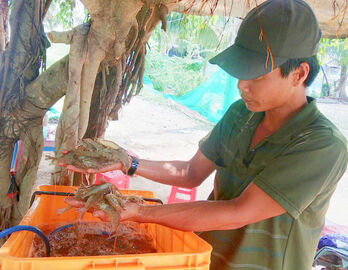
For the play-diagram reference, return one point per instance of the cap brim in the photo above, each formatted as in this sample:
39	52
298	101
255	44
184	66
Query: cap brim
244	64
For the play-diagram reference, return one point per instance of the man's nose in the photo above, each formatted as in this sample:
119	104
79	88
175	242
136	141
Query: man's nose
243	85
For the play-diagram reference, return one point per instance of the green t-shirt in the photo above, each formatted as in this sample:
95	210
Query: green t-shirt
298	166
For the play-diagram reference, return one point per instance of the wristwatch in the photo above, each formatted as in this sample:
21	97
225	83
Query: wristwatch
134	166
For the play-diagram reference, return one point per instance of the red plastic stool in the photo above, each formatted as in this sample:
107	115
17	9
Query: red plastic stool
179	194
118	178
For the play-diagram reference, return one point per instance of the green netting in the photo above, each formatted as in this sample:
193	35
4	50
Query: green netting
213	98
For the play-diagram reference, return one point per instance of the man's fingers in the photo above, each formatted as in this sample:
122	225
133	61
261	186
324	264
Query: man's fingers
101	215
76	169
74	203
80	208
71	167
108	168
91	171
102	170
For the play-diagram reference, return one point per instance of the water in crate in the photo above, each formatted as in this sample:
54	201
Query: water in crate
92	239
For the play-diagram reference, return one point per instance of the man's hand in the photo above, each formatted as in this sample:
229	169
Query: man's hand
80	205
108	168
129	212
112	167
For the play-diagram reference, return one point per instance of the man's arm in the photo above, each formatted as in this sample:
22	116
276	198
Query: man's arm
251	206
187	174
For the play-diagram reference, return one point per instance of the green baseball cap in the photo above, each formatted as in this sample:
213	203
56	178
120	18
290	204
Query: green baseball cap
270	34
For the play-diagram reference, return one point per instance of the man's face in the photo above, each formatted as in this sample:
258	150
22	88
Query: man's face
268	92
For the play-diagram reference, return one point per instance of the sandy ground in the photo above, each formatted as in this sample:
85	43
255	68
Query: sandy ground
159	129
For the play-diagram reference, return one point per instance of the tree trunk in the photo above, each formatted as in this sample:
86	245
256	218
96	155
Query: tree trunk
42	93
132	68
24	52
6	202
26	175
341	88
104	43
27	121
113	46
67	131
105	92
4	8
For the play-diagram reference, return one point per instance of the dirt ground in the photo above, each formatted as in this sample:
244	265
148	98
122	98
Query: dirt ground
159	129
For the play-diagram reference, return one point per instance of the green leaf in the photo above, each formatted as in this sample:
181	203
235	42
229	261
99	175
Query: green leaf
209	38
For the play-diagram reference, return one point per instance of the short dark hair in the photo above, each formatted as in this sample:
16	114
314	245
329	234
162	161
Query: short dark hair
295	63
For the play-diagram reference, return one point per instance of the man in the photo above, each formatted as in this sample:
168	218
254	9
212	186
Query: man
277	158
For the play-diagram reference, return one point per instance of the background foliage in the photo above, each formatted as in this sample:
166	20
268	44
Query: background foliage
176	60
333	57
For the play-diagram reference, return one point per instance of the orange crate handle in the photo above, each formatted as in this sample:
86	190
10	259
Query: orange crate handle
118	266
59	193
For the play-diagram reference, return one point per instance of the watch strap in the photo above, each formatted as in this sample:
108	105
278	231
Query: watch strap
134	166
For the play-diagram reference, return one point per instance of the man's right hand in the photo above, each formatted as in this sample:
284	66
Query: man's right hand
112	167
108	168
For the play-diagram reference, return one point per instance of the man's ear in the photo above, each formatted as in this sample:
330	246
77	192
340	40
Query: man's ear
300	74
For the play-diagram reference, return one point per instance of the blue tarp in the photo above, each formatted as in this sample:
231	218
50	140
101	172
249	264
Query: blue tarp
212	98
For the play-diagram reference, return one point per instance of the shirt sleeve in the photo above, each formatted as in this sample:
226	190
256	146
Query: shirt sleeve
210	144
296	177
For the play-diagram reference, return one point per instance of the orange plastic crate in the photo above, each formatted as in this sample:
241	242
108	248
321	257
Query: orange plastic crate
176	249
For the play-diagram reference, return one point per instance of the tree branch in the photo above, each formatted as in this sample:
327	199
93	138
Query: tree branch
46	7
17	7
60	37
47	89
